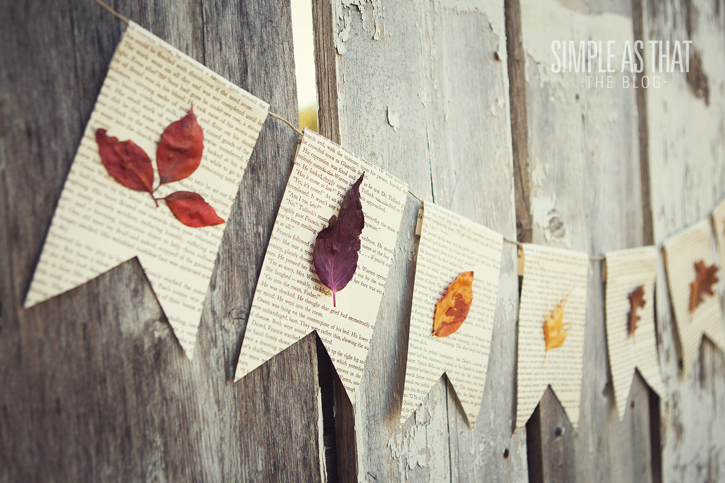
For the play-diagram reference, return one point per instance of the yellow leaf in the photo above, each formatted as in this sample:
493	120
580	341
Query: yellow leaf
555	330
453	308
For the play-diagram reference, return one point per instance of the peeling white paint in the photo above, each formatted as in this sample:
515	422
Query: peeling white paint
394	119
539	173
413	449
342	12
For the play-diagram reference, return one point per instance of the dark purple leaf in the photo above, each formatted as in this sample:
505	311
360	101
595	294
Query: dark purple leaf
337	246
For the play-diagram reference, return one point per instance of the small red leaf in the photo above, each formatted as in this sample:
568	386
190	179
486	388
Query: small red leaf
180	149
125	162
335	255
191	209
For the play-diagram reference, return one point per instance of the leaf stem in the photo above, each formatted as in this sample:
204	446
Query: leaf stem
154	198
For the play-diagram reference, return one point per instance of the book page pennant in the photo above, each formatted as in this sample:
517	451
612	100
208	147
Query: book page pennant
630	320
554	293
100	223
290	301
449	246
687	253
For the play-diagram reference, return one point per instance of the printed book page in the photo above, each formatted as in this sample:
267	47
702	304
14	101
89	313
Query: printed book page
290	301
682	250
550	275
98	223
450	245
627	271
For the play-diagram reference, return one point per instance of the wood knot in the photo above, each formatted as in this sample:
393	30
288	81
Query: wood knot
237	316
155	330
556	225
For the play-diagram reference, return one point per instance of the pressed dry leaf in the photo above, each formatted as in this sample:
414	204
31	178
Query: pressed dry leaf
636	301
126	162
336	247
453	308
180	149
177	157
705	278
555	330
191	209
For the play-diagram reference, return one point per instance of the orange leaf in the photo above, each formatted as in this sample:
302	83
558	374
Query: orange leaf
705	278
636	301
453	308
555	330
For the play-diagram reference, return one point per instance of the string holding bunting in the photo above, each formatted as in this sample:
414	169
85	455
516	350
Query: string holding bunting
98	225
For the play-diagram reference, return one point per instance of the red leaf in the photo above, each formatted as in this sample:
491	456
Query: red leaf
125	162
180	149
336	247
191	209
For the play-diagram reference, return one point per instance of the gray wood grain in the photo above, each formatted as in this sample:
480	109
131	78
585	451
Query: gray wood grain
580	186
687	172
94	384
420	89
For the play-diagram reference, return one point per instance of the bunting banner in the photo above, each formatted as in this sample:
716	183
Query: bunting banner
693	277
290	300
201	129
630	320
454	300
552	313
155	177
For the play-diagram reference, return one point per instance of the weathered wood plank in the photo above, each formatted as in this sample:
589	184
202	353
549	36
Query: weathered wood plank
686	119
95	386
578	174
421	89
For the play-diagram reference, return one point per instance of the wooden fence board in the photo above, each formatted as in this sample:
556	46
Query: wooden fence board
421	89
686	130
94	385
579	188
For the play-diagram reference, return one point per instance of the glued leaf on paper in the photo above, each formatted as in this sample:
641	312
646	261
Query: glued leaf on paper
555	330
453	308
337	246
178	155
705	278
191	209
636	301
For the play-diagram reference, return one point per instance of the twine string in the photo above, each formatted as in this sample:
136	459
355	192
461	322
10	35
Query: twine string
112	11
286	122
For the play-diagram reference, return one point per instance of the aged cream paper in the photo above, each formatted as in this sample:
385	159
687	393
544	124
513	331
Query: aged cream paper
290	301
626	271
450	245
99	224
681	251
549	275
